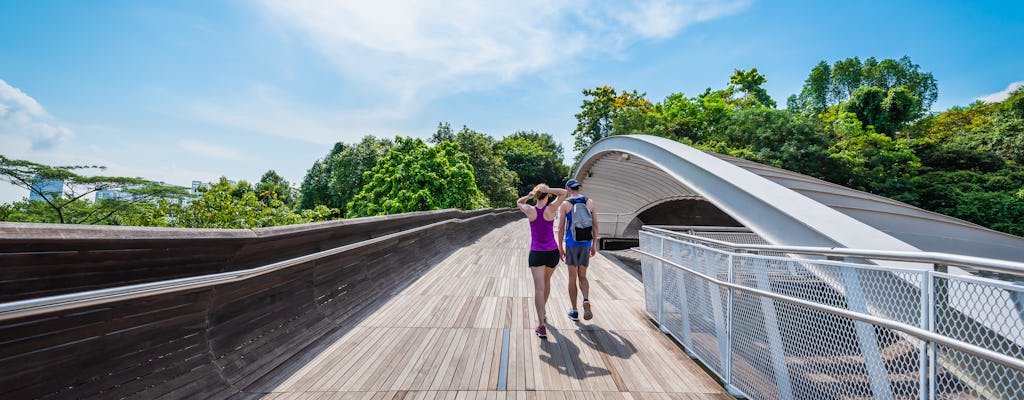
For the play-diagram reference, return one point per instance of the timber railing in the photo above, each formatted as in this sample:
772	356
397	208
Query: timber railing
199	314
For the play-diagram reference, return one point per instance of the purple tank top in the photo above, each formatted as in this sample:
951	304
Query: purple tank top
542	234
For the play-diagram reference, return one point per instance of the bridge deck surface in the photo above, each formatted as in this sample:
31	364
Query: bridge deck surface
441	339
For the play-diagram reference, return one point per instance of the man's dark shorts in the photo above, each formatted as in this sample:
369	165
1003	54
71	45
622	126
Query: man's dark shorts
547	258
577	256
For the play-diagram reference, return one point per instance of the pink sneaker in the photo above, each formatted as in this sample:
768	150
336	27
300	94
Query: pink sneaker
541	331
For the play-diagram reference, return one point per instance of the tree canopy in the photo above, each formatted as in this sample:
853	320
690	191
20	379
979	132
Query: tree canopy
535	157
72	205
335	180
416	177
601	106
493	177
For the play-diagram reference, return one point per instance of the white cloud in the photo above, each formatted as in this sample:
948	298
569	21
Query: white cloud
21	115
209	150
1002	95
415	50
665	18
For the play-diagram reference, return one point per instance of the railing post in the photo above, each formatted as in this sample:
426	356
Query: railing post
926	368
939	297
661	290
729	327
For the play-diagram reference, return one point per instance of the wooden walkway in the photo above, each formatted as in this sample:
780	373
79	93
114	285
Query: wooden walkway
441	339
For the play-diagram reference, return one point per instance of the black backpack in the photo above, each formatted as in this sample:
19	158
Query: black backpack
582	221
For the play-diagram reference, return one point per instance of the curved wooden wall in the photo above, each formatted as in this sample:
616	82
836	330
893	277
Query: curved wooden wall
217	341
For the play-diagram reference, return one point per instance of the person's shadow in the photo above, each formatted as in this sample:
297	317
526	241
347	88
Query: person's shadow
607	342
564	356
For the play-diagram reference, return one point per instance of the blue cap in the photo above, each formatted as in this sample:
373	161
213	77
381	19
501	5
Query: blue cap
572	183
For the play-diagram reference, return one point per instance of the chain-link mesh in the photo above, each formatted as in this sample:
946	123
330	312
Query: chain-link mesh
984	314
771	349
650	270
732	237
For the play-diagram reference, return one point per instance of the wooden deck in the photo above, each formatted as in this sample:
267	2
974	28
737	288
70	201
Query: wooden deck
441	339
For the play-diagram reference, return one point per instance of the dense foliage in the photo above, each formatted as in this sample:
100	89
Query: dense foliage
493	176
501	169
417	177
335	180
227	205
859	124
535	158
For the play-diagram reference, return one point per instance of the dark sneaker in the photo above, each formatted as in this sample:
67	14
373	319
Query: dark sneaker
587	315
541	332
574	315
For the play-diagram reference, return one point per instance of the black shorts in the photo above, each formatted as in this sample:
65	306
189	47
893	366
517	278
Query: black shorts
547	258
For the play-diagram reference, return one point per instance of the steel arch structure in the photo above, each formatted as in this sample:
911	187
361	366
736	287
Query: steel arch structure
632	173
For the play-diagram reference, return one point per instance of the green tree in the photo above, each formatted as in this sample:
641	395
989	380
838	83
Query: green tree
316	189
600	107
333	181
782	139
349	166
815	95
72	206
237	206
749	83
829	86
1003	133
888	111
417	177
493	177
535	158
871	161
273	186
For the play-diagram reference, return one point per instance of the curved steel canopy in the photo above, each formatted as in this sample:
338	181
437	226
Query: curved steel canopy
629	174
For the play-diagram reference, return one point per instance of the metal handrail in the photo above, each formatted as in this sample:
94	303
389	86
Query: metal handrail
22	308
896	325
987	264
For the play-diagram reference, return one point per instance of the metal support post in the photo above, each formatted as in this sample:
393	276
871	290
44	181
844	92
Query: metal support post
661	290
940	301
727	362
925	367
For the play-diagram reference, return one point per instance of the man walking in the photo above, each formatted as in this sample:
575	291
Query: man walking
577	243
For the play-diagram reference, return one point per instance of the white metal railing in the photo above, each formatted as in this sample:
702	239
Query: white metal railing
772	326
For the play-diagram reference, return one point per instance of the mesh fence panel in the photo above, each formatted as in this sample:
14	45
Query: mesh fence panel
771	349
985	314
650	270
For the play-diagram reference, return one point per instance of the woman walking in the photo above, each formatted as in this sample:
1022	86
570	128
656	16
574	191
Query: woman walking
544	255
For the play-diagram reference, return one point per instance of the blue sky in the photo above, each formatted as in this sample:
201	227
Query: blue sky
182	91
